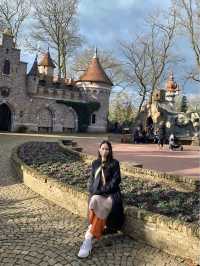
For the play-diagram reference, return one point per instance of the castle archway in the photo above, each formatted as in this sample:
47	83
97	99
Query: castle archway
66	117
5	118
45	121
149	122
69	120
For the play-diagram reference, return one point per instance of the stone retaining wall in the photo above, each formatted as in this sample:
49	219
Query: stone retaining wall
171	235
58	192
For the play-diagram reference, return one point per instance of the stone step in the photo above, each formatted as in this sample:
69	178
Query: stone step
74	144
79	149
67	141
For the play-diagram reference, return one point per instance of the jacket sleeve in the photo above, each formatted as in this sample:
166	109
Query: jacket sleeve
91	179
113	185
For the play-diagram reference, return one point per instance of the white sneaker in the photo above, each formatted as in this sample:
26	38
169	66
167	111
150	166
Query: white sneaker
85	248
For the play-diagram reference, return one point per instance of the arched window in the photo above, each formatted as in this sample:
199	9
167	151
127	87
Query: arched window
93	118
6	67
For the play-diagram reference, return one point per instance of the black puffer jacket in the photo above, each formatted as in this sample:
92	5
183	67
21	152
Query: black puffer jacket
113	178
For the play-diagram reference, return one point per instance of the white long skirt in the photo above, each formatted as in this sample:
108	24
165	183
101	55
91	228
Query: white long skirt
101	205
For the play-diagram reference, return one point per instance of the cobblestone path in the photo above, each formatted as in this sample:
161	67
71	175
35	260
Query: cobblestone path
34	231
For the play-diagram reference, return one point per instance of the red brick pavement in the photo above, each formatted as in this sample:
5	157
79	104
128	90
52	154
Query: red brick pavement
186	162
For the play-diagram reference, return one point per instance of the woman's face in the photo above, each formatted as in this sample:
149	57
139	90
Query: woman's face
104	150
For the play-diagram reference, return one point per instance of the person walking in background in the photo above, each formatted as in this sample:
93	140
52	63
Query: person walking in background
171	141
161	136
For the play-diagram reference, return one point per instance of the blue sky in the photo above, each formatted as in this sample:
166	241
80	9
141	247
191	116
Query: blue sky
105	23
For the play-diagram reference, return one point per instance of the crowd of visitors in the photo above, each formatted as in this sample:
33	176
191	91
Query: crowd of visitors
151	135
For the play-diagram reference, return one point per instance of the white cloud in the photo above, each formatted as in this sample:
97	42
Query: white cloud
129	3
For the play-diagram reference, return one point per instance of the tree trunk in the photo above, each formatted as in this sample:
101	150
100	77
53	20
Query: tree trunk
59	62
141	103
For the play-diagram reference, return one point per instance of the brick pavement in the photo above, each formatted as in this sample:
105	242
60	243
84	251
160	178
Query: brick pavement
186	162
35	231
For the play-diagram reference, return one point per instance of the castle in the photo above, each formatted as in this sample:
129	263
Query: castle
39	101
163	113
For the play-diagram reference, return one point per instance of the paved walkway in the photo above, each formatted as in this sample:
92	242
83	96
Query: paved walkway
186	162
34	231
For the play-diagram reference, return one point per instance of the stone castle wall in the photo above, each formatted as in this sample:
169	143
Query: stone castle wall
32	102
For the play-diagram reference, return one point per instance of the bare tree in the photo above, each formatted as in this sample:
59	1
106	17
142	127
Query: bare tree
137	67
12	15
148	56
188	14
56	25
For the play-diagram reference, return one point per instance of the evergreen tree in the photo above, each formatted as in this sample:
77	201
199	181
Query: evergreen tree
122	109
184	104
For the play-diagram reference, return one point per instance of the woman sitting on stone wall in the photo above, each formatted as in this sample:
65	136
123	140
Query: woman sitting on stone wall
105	209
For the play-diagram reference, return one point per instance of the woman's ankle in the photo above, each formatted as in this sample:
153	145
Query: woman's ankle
88	234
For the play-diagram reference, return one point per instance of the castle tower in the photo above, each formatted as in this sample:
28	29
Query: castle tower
46	66
97	85
10	55
172	89
8	39
95	73
33	77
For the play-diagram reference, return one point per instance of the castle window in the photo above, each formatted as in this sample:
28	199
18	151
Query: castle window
4	92
21	113
6	67
93	118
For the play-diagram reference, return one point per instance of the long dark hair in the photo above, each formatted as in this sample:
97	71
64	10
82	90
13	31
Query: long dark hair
110	154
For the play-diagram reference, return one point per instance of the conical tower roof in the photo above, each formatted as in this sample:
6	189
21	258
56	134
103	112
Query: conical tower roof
95	72
34	69
46	61
171	85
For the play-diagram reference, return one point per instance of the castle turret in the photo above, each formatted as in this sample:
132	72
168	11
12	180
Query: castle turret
8	39
97	85
172	89
33	77
34	69
46	66
95	73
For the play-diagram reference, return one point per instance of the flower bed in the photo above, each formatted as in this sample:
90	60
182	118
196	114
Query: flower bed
49	159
